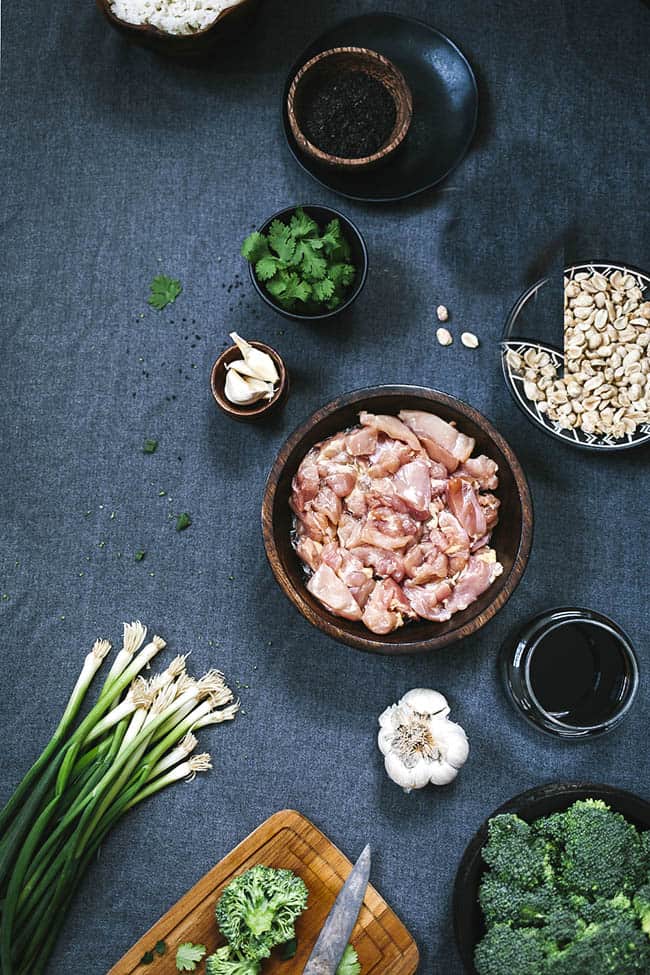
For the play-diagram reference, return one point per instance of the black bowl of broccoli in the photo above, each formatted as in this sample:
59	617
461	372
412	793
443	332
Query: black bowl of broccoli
557	882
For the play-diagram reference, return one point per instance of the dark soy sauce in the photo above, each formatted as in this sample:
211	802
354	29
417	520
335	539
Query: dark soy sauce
579	673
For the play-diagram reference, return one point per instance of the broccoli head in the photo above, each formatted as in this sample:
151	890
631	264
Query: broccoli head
503	901
508	951
602	853
641	904
258	910
516	854
225	961
613	947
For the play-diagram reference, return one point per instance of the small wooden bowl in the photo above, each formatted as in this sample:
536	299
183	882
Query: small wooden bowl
512	537
331	63
255	411
228	25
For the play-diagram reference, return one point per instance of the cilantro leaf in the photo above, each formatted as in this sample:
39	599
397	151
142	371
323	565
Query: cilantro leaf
323	290
342	274
255	247
140	555
302	225
149	446
160	947
188	956
147	958
183	521
312	265
296	289
349	964
266	267
281	240
164	290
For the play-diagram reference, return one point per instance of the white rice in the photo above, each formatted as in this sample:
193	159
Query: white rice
172	16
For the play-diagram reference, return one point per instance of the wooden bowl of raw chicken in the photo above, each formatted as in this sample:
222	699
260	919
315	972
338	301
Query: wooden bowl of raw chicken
511	537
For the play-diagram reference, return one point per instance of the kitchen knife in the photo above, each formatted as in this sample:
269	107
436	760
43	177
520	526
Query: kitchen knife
340	921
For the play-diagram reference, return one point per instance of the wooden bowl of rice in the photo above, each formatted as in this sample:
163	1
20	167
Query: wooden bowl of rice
231	18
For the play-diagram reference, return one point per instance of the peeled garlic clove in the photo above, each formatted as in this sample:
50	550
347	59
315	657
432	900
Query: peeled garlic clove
240	366
260	362
242	391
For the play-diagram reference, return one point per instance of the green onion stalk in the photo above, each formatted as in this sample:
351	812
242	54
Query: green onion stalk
136	740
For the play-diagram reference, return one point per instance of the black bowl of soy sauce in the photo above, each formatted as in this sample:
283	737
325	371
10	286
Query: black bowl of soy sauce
573	673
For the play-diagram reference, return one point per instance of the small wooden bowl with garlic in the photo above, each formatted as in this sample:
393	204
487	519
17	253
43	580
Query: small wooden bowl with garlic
239	376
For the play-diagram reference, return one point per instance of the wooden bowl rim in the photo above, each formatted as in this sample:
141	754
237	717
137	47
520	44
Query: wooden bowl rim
354	293
332	625
255	410
152	31
398	133
560	792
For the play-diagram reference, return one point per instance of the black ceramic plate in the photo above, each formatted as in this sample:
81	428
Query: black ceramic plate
445	107
546	799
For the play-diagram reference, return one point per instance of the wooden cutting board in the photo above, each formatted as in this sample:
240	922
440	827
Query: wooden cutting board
285	840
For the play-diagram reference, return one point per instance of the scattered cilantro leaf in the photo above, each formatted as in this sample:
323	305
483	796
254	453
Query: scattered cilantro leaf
139	555
288	950
349	963
149	446
183	521
147	958
160	948
301	266
188	956
164	290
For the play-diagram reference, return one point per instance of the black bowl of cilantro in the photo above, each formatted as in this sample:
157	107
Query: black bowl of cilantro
557	882
309	263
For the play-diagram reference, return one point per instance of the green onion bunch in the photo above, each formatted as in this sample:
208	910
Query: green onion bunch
138	738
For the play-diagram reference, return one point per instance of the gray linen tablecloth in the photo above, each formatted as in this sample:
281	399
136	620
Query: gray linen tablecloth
118	165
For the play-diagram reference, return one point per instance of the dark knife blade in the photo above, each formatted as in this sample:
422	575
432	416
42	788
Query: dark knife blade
340	921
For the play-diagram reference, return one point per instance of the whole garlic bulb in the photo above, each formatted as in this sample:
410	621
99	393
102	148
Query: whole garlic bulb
419	743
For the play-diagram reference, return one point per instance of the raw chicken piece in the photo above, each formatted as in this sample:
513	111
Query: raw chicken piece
392	427
482	470
472	583
412	484
388	457
425	563
464	505
356	502
361	442
427	600
383	561
342	481
329	504
349	530
386	607
347	566
446	436
306	483
333	449
316	525
389	529
309	551
457	541
491	507
326	586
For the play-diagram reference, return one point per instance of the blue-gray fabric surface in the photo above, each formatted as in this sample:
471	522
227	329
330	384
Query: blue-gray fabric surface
118	165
